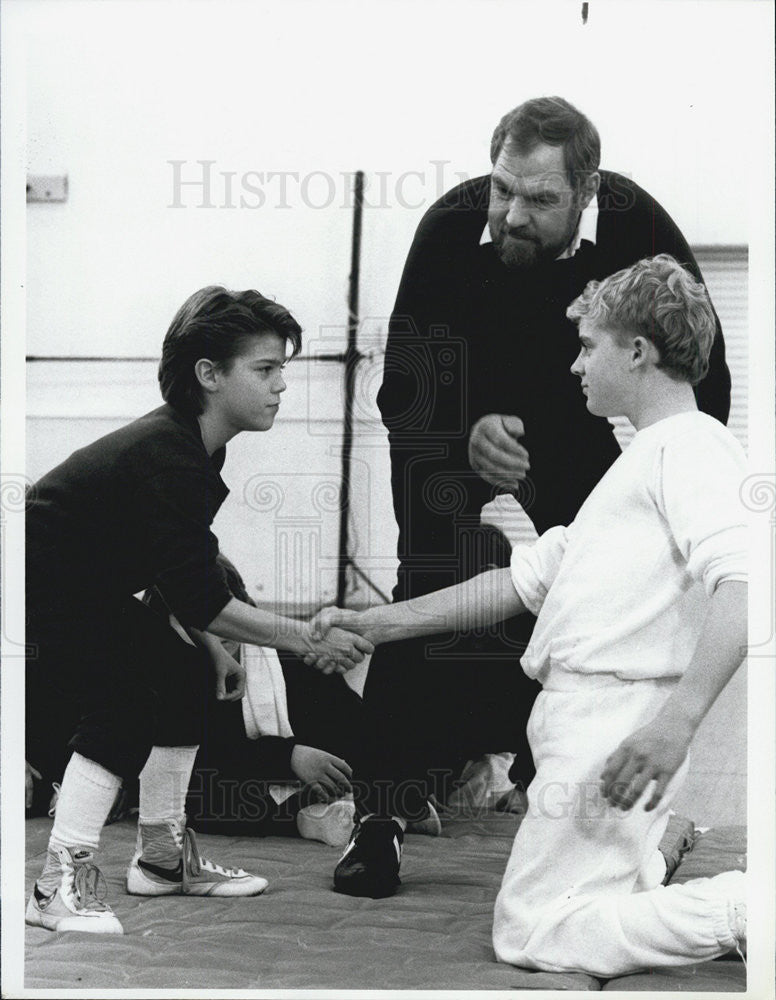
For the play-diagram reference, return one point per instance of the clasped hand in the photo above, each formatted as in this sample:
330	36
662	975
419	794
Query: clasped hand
653	753
331	648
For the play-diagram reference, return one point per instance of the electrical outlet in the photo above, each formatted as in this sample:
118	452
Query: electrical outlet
47	188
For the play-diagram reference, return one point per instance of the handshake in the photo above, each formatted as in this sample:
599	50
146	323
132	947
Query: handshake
336	641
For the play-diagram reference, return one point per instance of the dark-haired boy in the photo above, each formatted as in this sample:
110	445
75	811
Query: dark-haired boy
641	605
131	511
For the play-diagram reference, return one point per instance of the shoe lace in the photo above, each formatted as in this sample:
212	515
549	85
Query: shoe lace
54	798
195	863
737	915
179	834
88	885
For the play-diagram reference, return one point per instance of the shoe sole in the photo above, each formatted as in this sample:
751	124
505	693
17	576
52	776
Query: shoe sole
380	890
34	917
138	884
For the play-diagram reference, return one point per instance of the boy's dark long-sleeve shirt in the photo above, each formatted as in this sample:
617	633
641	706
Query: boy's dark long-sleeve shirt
129	511
233	753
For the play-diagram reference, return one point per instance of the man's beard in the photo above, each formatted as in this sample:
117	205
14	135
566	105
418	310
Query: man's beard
516	254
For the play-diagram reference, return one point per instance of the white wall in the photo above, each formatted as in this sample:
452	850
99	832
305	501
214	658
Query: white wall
117	90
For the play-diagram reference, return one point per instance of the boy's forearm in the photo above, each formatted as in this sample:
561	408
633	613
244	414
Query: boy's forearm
245	623
204	639
485	599
655	752
719	653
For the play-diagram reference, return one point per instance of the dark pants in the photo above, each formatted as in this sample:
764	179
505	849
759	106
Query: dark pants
230	788
323	711
426	713
432	704
123	676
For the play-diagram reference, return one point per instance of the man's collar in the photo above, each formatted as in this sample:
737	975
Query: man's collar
586	230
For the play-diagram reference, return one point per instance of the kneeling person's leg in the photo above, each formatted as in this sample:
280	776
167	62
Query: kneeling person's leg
569	900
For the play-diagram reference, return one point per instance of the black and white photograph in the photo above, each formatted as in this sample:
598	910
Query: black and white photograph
386	447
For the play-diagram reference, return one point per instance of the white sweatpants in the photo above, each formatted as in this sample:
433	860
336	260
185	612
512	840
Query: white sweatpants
582	890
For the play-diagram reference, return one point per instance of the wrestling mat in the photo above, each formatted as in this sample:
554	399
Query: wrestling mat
434	934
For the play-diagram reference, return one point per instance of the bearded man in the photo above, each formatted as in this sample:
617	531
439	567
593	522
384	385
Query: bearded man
478	398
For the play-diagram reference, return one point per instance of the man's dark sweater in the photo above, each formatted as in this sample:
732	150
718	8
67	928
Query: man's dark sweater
129	511
469	337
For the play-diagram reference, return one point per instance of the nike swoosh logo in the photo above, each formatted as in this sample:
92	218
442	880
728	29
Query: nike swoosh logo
42	899
168	874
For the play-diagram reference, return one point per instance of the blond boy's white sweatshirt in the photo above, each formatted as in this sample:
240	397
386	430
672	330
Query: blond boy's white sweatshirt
624	589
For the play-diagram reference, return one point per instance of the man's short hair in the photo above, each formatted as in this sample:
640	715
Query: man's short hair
660	300
215	323
551	121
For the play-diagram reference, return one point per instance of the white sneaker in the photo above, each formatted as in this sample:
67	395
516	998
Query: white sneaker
329	822
483	781
77	904
168	863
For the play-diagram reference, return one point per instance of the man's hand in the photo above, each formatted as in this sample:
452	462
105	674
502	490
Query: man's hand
336	651
227	669
495	452
330	617
328	777
30	776
356	622
653	753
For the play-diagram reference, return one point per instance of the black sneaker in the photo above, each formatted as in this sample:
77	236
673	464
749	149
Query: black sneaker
370	863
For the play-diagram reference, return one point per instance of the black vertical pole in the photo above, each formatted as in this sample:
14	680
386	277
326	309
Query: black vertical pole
352	358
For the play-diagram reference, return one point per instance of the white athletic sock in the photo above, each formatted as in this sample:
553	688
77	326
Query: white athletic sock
164	782
85	799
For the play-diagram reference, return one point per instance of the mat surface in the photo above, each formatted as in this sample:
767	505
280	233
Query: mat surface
434	934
